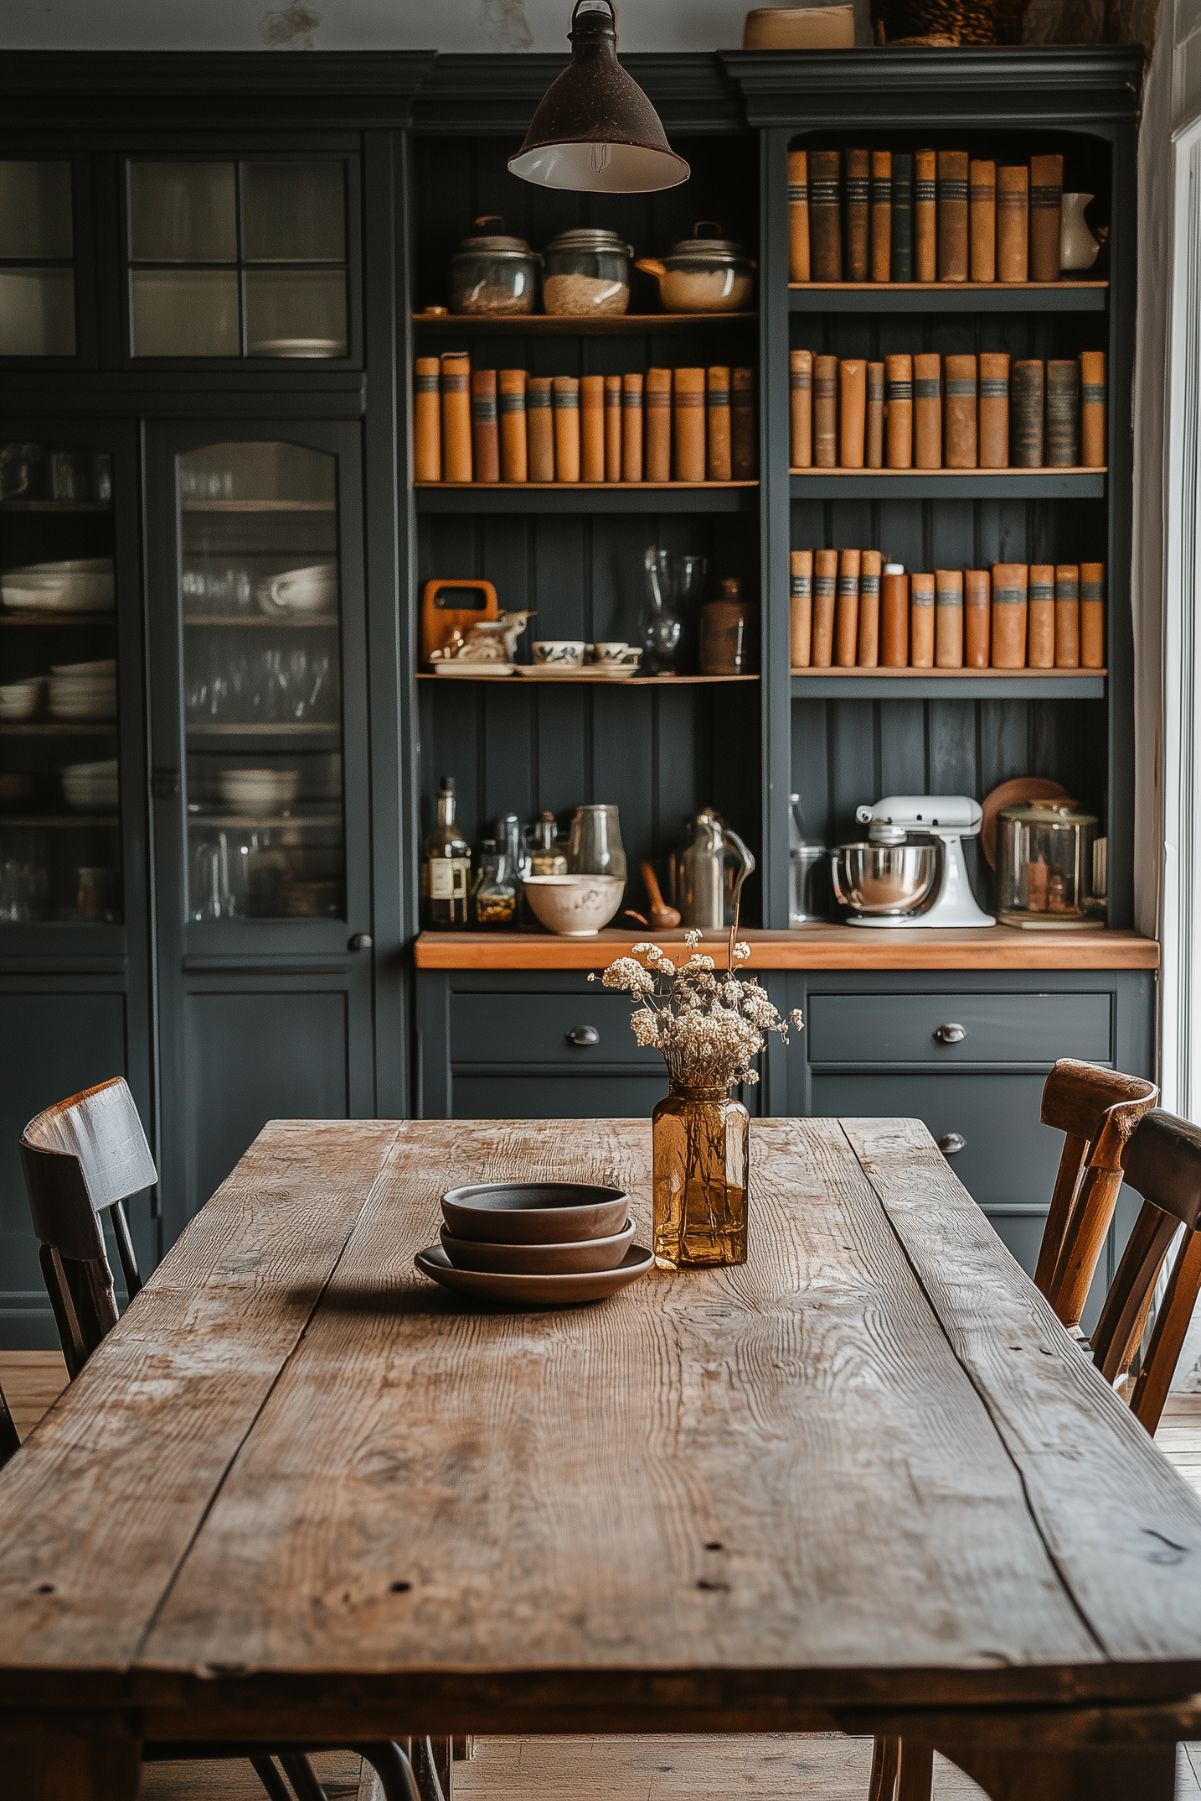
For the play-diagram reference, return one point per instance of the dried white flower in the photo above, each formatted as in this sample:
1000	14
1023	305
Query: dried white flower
692	937
742	951
629	975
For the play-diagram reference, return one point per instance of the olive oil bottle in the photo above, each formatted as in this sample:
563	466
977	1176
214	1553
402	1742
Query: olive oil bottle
446	867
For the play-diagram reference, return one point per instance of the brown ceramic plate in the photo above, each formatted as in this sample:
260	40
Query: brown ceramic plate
584	1255
512	1290
535	1212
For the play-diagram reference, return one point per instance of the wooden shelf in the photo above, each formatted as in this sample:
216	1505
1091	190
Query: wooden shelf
58	728
948	484
257	822
55	506
554	325
258	506
948	296
584	497
261	621
12	616
534	679
78	822
948	684
290	730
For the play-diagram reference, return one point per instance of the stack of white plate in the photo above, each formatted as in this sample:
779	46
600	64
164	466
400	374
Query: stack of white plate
19	700
91	787
75	585
83	690
258	790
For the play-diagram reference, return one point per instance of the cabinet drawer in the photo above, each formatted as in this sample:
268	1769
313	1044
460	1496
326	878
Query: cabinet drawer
558	1095
958	1028
575	1031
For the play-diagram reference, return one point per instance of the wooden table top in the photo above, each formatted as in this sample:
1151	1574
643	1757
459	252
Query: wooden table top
301	1488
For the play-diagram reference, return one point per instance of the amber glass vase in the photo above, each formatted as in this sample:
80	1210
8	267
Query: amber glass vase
701	1155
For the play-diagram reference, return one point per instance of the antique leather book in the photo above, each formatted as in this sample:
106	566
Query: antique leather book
485	429
846	610
565	411
1092	615
656	400
800	409
1092	409
1009	601
514	446
825	581
592	428
856	182
898	415
743	425
921	621
960	441
825	215
994	409
902	216
688	420
881	216
1067	616
631	428
427	421
719	457
825	412
1026	412
539	430
925	215
871	564
456	416
1013	190
873	448
798	215
948	619
894	617
1062	444
1046	199
613	428
1040	617
800	608
952	215
982	220
852	412
927	410
977	607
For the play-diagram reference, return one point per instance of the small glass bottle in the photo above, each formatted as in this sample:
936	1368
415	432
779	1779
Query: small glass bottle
494	899
547	856
446	866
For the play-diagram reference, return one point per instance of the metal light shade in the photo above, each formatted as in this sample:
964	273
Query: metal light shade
595	130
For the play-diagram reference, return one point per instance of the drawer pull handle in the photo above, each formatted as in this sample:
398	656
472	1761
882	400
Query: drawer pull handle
950	1033
583	1036
951	1143
360	941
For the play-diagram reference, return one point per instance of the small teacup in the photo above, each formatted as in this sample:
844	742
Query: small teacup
562	653
614	650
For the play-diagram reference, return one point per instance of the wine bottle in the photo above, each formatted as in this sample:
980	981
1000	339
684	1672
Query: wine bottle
446	866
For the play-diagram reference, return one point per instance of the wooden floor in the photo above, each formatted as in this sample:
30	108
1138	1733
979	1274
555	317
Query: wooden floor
609	1769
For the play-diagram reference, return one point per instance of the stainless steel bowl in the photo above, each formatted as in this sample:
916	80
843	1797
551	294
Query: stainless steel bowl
885	879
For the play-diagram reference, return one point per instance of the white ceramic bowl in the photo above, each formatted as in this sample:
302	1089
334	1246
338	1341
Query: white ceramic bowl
258	787
559	653
574	906
19	700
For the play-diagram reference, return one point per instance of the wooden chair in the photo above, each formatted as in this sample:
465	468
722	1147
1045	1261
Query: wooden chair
8	1432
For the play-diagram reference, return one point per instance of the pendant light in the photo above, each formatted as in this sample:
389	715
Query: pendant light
595	131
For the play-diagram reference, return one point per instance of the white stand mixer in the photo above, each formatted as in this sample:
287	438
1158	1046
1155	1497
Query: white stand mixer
949	818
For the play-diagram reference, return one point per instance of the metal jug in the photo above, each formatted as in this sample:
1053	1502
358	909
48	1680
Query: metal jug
708	872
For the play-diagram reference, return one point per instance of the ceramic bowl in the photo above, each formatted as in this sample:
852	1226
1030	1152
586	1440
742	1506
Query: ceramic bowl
562	653
539	1259
505	1288
19	700
613	651
538	1213
574	906
258	787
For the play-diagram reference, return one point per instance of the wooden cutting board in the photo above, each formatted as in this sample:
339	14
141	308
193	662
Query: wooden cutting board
453	604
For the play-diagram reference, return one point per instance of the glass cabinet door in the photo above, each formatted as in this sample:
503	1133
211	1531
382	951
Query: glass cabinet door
37	267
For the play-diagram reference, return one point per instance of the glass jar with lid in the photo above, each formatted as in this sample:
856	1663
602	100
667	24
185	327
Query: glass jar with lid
1044	866
494	901
586	271
706	273
493	271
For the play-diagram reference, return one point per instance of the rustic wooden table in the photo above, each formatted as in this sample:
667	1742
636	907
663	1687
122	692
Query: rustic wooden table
865	1481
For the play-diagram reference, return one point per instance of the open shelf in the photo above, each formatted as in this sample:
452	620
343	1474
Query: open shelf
290	730
260	822
561	325
583	680
948	297
79	822
948	684
585	497
948	484
261	621
58	728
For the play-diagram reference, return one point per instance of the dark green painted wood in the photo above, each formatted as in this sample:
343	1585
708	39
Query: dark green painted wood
947	299
870	1030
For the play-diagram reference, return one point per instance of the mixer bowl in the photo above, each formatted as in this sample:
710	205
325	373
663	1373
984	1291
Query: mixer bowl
885	879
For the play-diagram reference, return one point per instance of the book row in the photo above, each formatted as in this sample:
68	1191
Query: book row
490	425
851	609
947	412
926	215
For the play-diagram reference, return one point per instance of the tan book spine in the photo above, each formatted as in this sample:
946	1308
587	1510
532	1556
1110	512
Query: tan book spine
871	565
485	426
1040	617
921	622
719	459
800	409
539	428
592	427
1013	194
825	582
798	215
948	619
825	412
456	416
688	424
613	428
894	617
514	441
846	609
743	425
898	411
427	421
800	608
565	411
1046	202
982	208
856	184
927	411
1092	409
962	401
657	402
1009	604
631	428
881	221
994	409
952	215
1067	616
977	606
873	449
925	215
852	412
1092	615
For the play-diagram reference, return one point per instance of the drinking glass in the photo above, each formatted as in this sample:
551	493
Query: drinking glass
594	844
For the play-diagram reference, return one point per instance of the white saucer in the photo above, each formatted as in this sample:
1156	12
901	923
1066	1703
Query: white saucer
469	671
607	672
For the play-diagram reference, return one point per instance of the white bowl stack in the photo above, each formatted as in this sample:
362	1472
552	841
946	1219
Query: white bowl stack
313	589
91	787
73	585
83	690
19	700
258	790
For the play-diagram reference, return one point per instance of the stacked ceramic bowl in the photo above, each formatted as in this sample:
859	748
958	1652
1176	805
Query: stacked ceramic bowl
83	690
312	589
536	1244
19	700
91	787
258	791
73	585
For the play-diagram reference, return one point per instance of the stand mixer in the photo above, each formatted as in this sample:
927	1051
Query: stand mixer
889	881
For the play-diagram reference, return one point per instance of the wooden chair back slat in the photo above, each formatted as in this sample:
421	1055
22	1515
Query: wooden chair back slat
8	1432
1167	1337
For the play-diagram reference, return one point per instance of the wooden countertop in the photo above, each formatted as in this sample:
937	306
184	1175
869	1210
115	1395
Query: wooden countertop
809	947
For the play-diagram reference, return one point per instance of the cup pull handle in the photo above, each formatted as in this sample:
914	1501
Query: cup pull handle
583	1037
950	1033
951	1143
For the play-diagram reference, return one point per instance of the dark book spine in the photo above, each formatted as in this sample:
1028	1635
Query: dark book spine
825	215
1046	198
952	215
1063	413
1026	412
856	185
744	442
902	215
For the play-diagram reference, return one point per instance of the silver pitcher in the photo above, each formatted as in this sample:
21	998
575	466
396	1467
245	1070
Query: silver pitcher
708	872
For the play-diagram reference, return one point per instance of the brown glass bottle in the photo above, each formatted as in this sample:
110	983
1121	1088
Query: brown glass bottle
446	867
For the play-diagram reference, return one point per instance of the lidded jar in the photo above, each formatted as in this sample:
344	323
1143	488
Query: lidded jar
1044	866
493	271
584	271
706	273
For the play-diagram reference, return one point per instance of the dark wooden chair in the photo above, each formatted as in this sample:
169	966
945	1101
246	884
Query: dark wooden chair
84	1159
8	1432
